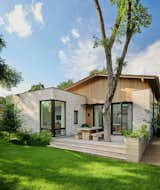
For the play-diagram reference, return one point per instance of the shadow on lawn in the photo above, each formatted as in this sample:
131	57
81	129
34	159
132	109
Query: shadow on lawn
72	170
8	184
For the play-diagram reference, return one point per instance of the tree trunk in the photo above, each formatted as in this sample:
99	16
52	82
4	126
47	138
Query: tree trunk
111	85
107	125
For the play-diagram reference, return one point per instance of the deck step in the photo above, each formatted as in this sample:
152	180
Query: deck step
121	150
89	142
96	148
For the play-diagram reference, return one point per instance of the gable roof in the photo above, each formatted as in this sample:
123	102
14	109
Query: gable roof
151	79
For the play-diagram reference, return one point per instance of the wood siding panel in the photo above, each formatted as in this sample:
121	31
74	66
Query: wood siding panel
95	90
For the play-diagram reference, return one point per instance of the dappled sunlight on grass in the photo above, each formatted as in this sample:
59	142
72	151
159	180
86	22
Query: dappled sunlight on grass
39	168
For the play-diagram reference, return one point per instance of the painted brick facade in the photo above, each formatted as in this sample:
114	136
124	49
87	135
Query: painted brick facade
29	105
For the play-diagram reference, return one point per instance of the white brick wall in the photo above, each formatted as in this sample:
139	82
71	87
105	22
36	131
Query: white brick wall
29	105
142	111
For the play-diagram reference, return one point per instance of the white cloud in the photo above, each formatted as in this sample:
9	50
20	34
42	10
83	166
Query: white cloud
62	56
22	87
17	22
65	39
1	21
75	33
37	12
79	20
80	60
146	61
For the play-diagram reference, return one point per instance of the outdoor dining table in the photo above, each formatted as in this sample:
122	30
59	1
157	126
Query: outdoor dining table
87	131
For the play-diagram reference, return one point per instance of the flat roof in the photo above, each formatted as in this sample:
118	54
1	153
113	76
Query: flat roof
53	88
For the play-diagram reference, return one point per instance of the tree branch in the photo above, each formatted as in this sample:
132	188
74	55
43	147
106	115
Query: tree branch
129	33
117	23
101	20
104	38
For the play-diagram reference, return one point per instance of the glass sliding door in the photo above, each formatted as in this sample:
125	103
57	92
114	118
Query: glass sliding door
59	118
98	116
46	115
116	119
53	116
126	116
121	117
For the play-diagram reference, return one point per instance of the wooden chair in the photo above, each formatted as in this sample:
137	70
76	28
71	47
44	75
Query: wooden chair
78	135
97	136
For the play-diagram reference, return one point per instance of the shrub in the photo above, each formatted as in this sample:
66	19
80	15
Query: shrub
141	132
126	132
10	121
85	125
4	136
36	139
40	139
23	138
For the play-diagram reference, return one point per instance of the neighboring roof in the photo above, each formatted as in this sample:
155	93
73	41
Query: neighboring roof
151	79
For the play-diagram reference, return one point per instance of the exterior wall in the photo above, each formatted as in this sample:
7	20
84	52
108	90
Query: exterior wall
95	90
136	91
135	148
142	110
29	105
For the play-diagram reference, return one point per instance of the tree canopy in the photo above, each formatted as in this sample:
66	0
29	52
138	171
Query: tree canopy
35	87
98	71
9	77
65	84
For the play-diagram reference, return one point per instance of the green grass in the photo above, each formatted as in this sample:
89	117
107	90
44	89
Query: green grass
43	168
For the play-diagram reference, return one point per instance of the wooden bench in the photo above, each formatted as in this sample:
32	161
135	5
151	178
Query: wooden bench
97	136
78	135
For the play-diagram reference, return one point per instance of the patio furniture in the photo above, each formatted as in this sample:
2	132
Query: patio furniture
87	131
97	136
78	135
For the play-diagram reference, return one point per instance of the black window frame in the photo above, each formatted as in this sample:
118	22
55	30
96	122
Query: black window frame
53	129
121	103
75	117
94	105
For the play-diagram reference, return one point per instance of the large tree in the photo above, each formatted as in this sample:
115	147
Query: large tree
36	87
130	18
98	71
9	77
65	84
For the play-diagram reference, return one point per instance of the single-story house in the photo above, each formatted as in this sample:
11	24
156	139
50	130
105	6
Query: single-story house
64	111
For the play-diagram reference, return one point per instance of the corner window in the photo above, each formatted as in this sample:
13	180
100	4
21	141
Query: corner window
75	117
53	116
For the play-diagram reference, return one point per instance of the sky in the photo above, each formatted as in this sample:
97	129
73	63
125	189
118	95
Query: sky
52	41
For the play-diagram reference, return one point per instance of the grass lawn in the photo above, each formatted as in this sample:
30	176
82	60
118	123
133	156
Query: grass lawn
43	168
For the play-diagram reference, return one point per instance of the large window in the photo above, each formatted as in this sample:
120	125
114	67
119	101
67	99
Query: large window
53	116
75	117
116	118
98	116
121	117
46	120
59	110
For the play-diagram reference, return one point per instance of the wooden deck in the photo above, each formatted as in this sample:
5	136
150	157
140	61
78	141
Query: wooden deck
152	153
114	149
